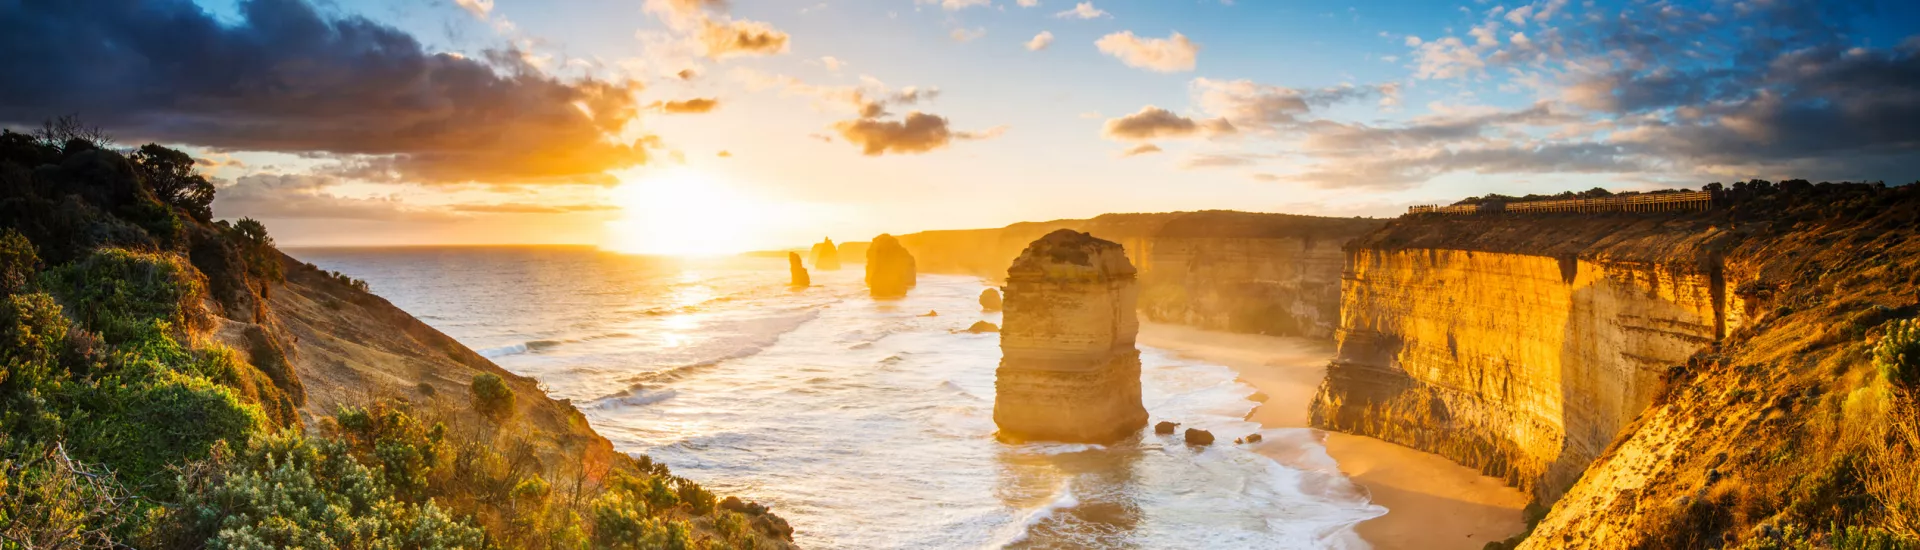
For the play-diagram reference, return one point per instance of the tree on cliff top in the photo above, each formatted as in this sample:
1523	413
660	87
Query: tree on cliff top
171	175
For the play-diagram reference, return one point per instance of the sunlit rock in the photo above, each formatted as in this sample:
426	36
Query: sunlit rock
800	278
1069	370
990	300
1199	437
890	269
981	327
1165	427
826	256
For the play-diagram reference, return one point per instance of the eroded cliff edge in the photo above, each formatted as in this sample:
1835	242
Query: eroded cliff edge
1241	271
1664	380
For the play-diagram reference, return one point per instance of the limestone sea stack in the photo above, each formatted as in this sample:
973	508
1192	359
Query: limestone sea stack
800	278
826	256
1068	368
990	300
890	270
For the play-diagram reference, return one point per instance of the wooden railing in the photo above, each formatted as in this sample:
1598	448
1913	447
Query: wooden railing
1652	202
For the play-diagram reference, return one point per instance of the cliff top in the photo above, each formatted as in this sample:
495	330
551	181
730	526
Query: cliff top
1067	255
1747	208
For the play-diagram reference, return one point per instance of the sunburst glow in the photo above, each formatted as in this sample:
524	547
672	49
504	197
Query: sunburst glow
684	212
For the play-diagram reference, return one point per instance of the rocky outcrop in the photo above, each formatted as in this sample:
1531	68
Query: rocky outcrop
1165	427
1069	370
983	327
990	299
798	271
826	257
890	268
1198	437
1247	272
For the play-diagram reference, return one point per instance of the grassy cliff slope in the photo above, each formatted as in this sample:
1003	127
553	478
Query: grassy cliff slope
170	381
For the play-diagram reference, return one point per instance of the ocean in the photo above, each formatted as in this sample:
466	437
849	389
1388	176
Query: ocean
867	424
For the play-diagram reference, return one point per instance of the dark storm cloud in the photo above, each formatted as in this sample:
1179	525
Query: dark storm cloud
286	78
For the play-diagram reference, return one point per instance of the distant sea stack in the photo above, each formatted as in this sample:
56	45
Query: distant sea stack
826	257
890	270
990	300
800	278
1068	369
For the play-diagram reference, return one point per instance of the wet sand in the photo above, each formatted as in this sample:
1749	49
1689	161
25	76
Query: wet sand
1431	502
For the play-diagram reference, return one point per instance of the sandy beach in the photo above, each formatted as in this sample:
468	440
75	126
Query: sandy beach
1432	503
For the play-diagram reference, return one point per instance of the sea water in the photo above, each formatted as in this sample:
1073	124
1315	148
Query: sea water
865	423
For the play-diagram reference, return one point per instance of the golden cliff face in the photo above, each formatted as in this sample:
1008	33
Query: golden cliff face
1069	370
1524	366
1240	271
1278	285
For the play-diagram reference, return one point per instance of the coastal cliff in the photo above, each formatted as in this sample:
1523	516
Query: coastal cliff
1246	272
1662	380
1069	370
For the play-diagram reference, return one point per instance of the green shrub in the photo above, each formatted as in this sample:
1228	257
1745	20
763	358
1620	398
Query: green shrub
1898	352
140	426
33	334
491	397
124	295
286	491
18	262
49	501
698	499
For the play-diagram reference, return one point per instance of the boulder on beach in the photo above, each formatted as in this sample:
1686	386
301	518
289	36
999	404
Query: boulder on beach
990	299
1199	437
1165	428
799	272
826	256
1253	438
980	327
890	268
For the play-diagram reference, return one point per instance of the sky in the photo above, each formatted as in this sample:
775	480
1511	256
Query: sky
680	126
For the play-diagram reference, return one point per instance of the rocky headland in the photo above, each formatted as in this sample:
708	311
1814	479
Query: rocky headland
1069	370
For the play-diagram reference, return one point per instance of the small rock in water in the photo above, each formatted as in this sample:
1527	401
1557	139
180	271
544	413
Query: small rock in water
1239	441
1253	438
1164	427
982	327
990	300
931	313
1199	437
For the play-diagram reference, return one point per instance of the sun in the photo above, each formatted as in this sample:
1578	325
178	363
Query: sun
683	212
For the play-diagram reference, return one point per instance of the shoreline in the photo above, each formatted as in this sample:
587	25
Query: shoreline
1431	501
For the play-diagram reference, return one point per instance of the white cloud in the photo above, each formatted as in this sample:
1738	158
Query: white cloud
967	35
1083	10
832	63
1029	3
1172	54
1040	41
479	8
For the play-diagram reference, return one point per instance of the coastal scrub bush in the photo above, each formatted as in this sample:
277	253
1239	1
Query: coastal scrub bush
18	262
287	491
33	333
1898	352
491	397
141	422
49	501
124	295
